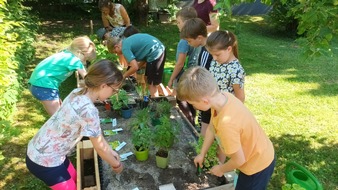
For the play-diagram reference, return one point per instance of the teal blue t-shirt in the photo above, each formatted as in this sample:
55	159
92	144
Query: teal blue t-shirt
142	47
52	71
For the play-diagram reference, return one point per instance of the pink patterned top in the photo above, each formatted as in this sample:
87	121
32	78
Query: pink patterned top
77	117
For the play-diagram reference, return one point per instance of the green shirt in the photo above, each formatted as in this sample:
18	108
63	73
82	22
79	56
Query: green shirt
142	47
52	71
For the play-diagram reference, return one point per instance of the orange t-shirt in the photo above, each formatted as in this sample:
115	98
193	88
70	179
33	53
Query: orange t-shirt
235	127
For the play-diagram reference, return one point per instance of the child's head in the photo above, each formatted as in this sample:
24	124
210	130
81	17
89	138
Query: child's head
220	41
130	30
83	48
114	45
103	72
185	14
196	83
194	31
105	6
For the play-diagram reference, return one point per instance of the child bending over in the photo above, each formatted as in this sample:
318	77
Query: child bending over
77	117
234	127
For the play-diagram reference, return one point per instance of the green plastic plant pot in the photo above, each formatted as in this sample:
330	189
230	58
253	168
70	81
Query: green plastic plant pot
141	155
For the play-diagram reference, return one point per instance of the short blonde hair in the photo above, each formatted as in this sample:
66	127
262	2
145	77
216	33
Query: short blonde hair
196	83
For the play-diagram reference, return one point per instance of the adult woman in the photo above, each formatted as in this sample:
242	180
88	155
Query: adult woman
205	11
114	18
51	72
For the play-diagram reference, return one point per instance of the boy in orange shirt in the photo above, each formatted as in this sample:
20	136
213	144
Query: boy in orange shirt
236	130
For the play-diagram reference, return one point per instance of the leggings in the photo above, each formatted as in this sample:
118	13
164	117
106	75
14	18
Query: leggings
61	177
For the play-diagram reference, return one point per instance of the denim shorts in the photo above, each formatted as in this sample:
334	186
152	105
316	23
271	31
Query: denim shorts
43	94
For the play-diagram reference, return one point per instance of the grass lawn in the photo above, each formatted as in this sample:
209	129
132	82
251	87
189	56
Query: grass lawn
294	99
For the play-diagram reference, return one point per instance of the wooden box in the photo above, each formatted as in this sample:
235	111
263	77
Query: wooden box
88	175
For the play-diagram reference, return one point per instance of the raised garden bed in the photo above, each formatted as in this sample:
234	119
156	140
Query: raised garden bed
181	172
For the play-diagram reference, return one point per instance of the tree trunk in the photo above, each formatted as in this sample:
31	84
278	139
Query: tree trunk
142	9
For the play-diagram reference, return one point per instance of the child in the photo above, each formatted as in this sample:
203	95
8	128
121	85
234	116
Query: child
51	72
235	128
139	49
227	70
77	117
183	50
195	32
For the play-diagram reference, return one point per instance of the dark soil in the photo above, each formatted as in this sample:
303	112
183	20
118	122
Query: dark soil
146	175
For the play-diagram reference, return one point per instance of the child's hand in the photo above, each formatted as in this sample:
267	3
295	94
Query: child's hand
217	171
199	159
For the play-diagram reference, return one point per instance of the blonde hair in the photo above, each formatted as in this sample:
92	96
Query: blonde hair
195	83
102	72
81	45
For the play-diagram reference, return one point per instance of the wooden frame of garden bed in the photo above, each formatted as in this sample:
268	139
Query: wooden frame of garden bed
85	151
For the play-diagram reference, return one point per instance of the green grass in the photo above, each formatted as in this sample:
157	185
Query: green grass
294	99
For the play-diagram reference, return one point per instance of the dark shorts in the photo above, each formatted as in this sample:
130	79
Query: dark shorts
154	70
49	175
205	116
43	94
257	181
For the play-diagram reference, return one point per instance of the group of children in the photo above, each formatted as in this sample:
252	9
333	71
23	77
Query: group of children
207	77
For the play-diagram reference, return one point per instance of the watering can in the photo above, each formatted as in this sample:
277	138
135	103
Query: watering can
297	174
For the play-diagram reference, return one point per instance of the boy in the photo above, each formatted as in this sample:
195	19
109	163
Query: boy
183	52
139	49
235	128
195	32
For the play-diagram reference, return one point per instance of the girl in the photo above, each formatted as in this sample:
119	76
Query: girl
226	68
76	118
51	72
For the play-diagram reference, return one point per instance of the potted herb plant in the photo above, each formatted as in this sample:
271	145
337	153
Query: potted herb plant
120	102
141	139
164	138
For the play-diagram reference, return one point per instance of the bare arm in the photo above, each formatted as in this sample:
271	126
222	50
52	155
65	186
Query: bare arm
178	67
82	72
133	68
236	160
106	153
105	22
208	140
124	15
239	92
214	22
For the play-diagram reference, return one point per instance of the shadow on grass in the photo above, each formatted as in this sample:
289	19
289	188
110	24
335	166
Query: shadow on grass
315	154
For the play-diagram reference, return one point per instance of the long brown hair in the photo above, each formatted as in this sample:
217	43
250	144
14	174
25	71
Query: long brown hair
221	40
108	4
102	72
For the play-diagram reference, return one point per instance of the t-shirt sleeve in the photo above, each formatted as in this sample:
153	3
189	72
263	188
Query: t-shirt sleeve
128	54
237	75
